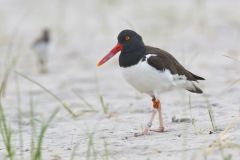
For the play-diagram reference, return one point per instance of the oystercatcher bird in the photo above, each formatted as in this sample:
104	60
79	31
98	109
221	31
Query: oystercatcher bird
40	46
151	70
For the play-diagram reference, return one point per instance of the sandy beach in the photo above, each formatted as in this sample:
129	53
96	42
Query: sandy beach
203	35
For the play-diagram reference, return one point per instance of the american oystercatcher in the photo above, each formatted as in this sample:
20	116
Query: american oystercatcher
40	46
151	70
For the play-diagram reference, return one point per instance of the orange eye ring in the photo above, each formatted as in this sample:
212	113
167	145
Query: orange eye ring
127	38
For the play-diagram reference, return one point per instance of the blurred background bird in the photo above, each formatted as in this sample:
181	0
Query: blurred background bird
41	48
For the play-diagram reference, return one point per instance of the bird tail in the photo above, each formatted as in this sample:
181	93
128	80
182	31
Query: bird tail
197	77
194	88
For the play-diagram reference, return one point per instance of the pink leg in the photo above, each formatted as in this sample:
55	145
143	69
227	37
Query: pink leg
161	127
156	107
149	124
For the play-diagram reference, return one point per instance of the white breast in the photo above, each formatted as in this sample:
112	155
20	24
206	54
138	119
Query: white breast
147	79
41	49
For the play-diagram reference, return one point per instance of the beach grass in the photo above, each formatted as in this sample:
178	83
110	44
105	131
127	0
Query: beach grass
37	153
90	107
211	115
6	133
50	93
104	105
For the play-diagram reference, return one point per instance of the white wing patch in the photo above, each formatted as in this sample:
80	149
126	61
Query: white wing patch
181	81
150	55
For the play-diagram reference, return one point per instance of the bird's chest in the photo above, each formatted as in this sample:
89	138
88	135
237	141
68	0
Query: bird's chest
145	78
41	47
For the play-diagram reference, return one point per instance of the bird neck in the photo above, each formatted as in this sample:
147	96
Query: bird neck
45	38
130	58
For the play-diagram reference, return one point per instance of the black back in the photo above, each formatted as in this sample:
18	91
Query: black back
134	50
162	60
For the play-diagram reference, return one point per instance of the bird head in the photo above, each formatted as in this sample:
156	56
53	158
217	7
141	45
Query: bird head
128	41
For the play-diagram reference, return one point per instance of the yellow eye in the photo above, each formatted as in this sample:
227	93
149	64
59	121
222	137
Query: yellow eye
127	38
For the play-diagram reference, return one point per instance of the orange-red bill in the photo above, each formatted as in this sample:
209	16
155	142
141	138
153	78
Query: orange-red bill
114	51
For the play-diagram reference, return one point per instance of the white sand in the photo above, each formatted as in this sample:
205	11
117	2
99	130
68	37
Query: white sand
197	33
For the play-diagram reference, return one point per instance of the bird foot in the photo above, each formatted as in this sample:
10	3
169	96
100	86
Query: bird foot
146	131
160	129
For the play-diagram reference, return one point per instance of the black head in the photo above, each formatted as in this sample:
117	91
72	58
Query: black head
131	46
130	41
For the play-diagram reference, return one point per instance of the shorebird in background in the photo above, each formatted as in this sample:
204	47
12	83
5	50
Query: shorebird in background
151	70
40	46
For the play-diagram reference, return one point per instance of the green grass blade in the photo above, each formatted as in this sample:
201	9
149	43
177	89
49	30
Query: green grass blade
106	152
85	101
50	93
6	132
38	152
211	116
74	151
105	106
6	75
32	124
19	117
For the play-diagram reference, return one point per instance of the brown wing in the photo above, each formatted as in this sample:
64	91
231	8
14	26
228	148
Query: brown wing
163	60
